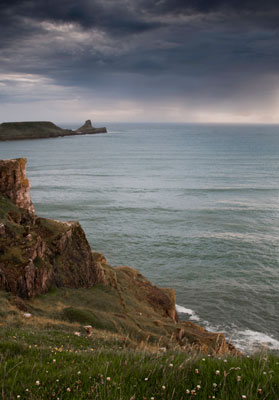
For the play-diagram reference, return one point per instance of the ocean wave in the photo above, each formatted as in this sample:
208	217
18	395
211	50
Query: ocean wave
191	313
244	237
245	340
249	340
228	189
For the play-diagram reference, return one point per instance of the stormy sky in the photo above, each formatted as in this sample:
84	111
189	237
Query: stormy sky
140	60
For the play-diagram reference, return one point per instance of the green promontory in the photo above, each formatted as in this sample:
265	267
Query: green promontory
40	130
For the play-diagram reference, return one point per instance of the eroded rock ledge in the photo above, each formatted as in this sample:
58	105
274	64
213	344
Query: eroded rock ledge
37	254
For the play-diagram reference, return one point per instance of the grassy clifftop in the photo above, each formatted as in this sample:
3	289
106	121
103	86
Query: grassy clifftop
46	352
50	363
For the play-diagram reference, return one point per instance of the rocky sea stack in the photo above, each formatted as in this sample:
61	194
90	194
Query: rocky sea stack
39	256
87	128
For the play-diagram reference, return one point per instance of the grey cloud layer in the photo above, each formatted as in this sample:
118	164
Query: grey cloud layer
198	49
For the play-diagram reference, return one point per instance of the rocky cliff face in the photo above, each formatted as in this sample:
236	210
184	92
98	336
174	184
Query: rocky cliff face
36	253
14	183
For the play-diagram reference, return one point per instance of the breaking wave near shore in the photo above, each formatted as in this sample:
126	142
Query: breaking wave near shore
245	340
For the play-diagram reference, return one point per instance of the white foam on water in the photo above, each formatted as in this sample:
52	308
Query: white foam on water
245	340
249	340
184	310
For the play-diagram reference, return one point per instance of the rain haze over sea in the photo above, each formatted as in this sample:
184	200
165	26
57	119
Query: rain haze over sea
193	207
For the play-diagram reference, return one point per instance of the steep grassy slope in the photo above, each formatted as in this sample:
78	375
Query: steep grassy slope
50	363
122	308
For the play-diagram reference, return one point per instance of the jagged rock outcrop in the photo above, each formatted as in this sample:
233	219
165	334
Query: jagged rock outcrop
14	183
36	253
88	128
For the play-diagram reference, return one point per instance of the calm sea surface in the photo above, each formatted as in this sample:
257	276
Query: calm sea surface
193	207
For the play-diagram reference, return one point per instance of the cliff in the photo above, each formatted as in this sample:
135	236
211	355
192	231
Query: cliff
14	183
36	253
43	256
39	130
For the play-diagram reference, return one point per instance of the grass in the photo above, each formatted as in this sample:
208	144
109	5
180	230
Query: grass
135	370
51	364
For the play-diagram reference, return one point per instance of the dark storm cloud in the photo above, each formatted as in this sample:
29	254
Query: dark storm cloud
205	6
115	17
139	49
127	17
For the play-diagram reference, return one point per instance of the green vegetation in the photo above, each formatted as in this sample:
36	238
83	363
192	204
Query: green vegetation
50	364
50	354
8	208
13	248
29	130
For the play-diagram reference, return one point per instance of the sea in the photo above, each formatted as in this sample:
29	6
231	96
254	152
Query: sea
192	207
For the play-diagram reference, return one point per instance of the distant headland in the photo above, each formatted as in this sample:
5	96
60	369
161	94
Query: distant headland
44	129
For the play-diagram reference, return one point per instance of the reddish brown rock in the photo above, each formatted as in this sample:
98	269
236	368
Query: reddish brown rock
55	254
36	253
14	183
